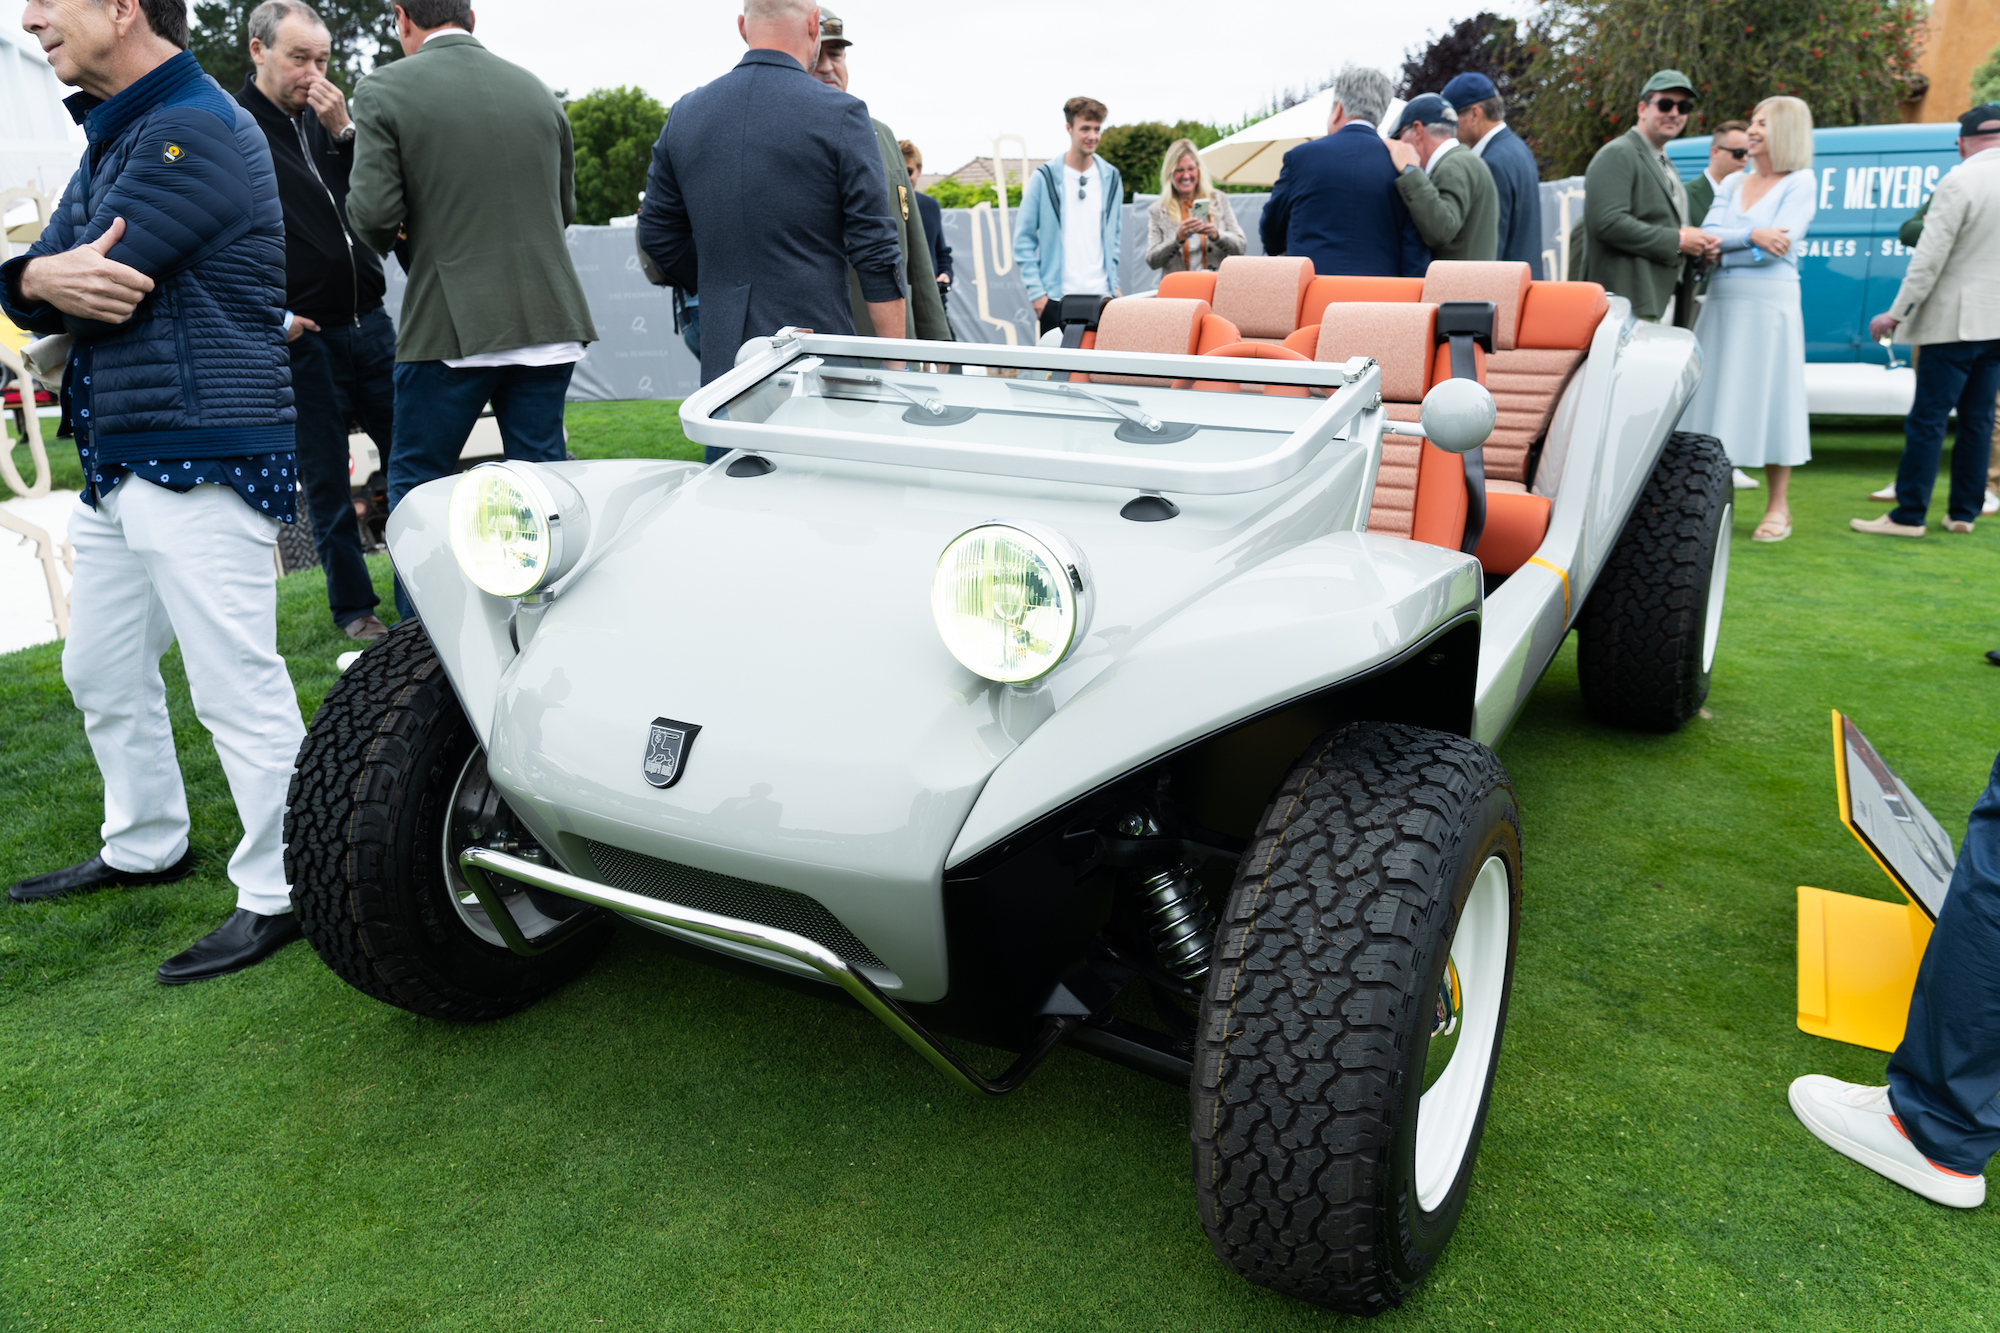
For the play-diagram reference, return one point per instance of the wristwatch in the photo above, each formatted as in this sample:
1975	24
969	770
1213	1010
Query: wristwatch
346	134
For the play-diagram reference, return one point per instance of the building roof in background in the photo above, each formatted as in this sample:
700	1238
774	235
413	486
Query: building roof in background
979	171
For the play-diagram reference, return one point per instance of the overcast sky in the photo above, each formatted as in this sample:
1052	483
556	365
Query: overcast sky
951	77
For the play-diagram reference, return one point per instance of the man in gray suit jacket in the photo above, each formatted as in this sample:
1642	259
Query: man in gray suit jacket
766	184
463	165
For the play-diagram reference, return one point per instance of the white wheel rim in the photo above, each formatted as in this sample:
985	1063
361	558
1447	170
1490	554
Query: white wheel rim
1450	1106
1718	582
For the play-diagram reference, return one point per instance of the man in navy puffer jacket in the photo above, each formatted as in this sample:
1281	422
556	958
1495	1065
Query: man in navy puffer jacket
165	261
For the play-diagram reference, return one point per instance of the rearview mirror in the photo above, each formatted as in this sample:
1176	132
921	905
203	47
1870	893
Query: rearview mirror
1458	415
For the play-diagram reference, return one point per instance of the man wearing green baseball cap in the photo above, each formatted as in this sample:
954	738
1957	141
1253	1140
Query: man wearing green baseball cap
1636	230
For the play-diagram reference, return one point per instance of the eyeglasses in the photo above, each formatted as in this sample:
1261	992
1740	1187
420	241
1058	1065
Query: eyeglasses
1671	107
1738	153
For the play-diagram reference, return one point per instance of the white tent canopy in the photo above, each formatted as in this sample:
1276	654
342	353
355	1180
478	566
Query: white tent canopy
39	144
1252	156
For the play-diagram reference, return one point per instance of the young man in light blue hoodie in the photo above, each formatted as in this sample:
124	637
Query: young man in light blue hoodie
1072	217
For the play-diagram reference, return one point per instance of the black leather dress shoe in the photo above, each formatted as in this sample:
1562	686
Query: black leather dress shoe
243	939
94	874
1993	656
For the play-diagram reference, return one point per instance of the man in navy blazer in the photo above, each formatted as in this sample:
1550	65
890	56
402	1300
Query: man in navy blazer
765	185
1482	127
1335	201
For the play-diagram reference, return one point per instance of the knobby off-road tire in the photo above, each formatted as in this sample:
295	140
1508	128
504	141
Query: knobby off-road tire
365	851
1387	852
1646	638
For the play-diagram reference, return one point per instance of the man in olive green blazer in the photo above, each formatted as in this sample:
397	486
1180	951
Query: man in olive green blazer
1636	232
1447	187
924	312
463	166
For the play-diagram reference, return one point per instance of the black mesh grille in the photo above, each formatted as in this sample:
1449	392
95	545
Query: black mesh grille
725	895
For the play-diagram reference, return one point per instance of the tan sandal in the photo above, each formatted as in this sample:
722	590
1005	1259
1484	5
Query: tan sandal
1773	530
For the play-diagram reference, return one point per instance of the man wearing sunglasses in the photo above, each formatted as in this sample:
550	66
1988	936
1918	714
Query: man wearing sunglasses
1637	229
1727	151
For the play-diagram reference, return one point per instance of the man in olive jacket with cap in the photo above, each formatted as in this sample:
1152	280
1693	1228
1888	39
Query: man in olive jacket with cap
925	317
1636	234
1448	190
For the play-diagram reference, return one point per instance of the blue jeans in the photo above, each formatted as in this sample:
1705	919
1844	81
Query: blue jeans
1943	1078
340	375
1961	375
436	406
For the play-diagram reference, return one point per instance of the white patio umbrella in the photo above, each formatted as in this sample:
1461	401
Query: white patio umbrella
1252	156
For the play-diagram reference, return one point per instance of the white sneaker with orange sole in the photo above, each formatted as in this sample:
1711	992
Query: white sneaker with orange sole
1858	1122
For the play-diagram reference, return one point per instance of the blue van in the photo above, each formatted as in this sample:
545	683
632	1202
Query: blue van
1871	179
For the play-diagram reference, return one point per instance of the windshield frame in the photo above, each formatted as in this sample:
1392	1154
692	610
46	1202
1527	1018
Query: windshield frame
1352	412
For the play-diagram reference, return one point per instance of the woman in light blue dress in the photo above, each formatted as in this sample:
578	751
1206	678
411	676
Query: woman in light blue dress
1752	334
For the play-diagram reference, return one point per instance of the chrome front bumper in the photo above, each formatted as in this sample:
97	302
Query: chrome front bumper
478	863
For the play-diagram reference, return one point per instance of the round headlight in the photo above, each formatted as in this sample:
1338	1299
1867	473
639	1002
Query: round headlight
1009	602
515	529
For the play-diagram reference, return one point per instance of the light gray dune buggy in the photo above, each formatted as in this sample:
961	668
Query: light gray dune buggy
1054	696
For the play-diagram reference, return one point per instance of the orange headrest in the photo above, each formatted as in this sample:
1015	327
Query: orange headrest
1503	282
1323	291
1188	287
1260	294
1400	335
1562	314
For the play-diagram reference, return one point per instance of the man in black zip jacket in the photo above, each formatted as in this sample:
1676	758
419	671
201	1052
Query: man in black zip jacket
342	344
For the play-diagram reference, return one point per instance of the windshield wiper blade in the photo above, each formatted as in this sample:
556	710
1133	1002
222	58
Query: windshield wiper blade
930	405
1150	424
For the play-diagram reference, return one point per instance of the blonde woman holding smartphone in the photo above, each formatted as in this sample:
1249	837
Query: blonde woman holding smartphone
1190	226
1752	334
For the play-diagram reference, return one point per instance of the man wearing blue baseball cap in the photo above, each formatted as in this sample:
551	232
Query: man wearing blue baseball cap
1449	192
1482	127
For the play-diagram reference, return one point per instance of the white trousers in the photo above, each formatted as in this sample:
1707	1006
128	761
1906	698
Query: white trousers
153	566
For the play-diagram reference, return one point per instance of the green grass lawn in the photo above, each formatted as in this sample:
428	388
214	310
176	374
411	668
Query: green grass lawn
668	1146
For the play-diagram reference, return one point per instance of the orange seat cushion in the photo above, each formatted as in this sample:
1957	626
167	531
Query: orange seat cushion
1526	384
1441	363
1562	314
1260	294
1254	352
1419	488
1215	332
1323	291
1188	286
1503	282
1441	499
1515	525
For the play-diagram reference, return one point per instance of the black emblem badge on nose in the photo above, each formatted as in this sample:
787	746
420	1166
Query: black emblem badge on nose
667	751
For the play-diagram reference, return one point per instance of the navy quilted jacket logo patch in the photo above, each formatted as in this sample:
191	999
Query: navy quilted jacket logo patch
172	153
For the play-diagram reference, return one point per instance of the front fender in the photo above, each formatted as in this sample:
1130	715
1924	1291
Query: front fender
1321	613
470	628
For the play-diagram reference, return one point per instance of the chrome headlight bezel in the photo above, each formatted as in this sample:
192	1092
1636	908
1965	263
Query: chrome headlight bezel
1061	557
557	509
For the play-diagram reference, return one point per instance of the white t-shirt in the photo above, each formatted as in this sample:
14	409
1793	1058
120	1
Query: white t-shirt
1083	231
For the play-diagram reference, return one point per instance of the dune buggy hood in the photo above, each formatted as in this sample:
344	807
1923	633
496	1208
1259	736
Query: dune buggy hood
841	749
